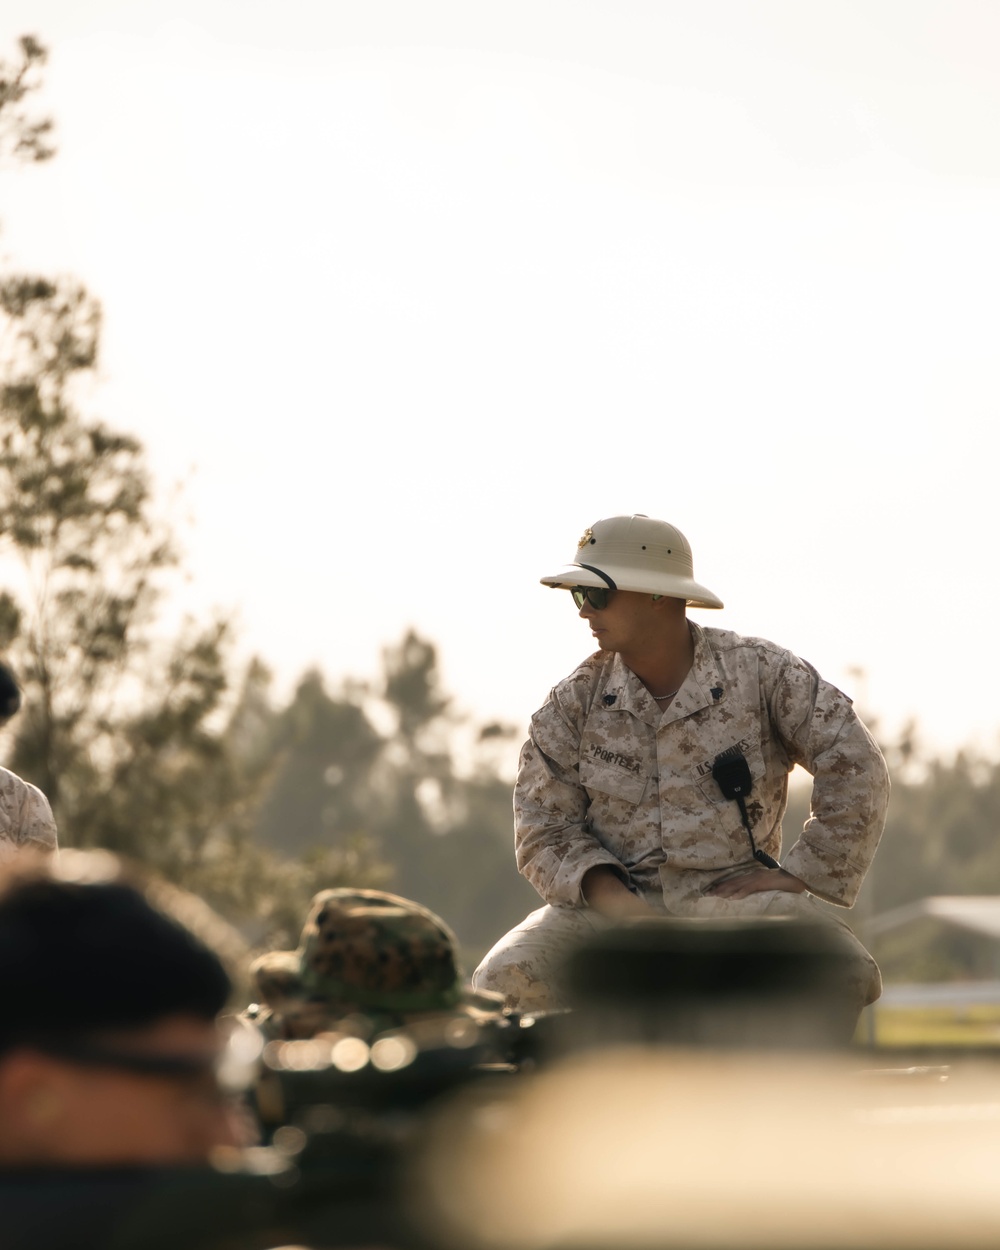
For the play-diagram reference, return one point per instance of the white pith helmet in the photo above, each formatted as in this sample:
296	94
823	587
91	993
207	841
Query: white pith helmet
635	553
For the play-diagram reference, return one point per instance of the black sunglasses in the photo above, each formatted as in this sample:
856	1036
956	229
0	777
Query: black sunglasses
596	596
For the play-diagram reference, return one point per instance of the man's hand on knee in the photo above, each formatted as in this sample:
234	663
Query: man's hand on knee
605	892
753	882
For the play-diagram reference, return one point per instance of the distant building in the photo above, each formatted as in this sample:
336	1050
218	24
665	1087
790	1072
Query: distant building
937	944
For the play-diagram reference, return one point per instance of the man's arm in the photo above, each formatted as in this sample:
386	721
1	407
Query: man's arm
753	882
605	891
554	848
850	794
25	817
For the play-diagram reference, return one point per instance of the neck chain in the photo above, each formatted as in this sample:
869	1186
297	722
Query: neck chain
670	695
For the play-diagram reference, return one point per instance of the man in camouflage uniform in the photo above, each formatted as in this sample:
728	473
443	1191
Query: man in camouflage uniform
618	813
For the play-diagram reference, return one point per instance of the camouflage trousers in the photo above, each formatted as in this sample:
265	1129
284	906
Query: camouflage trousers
525	964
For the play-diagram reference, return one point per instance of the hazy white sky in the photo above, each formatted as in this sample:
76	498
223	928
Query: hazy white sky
416	291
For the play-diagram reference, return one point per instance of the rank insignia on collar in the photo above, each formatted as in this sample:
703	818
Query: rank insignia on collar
588	537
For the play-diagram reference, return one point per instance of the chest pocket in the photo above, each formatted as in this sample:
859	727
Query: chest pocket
613	780
616	812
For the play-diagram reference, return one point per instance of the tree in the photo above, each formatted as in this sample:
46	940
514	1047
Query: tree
143	739
451	839
20	136
322	750
75	510
395	794
133	735
117	725
137	734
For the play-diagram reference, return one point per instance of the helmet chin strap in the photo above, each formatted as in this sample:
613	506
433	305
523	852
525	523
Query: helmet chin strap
603	576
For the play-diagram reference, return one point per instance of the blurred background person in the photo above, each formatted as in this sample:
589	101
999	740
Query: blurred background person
110	1041
26	818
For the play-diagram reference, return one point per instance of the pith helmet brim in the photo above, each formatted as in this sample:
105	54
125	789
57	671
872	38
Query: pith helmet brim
635	553
693	593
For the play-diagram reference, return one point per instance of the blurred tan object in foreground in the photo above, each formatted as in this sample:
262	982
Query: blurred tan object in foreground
652	1147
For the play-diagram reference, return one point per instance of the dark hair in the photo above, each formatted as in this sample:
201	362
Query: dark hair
79	957
10	694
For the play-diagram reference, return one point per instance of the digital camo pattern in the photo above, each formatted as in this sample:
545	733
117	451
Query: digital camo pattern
361	950
526	964
25	817
369	945
607	778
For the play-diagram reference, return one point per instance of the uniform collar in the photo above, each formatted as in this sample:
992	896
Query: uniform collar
703	687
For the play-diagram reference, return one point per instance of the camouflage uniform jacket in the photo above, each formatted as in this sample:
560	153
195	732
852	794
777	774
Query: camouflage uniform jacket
605	778
25	817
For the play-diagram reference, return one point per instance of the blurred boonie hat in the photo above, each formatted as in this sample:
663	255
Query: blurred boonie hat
368	950
635	553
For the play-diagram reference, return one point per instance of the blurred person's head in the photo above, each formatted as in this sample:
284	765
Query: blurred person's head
10	693
109	1035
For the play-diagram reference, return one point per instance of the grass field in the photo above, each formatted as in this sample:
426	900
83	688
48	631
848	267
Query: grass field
976	1025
